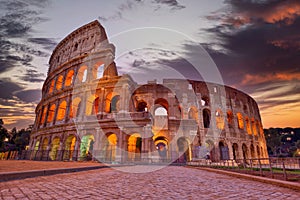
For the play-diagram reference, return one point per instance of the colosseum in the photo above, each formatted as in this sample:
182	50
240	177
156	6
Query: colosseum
89	111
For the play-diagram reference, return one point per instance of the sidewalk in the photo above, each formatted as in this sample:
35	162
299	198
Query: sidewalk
19	169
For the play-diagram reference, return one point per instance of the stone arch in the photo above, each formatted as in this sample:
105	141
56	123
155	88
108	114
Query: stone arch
252	151
161	144
112	102
44	114
209	145
45	144
134	147
235	151
53	154
258	151
69	147
75	107
111	141
51	87
161	102
62	108
240	120
206	117
51	113
36	145
69	78
230	119
141	106
245	151
82	74
98	70
193	113
86	147
224	151
220	123
248	126
254	128
92	105
205	101
184	149
59	82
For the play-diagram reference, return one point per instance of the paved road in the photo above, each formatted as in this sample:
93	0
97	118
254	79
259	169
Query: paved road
168	183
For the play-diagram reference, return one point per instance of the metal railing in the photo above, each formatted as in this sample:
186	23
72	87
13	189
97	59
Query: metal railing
278	168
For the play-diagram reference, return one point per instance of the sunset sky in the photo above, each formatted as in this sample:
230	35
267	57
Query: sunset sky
255	45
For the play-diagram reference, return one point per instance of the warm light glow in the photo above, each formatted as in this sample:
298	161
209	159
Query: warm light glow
59	82
62	110
51	86
51	113
240	120
69	78
220	119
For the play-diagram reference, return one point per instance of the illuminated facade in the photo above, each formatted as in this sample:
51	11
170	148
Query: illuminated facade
88	111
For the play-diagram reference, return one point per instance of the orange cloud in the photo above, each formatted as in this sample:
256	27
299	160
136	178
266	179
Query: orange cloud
257	79
286	12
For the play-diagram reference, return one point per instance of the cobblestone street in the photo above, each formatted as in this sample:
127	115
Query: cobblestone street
168	183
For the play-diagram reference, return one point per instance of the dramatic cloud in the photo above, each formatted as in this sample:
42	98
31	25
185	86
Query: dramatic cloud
8	88
32	75
30	96
131	5
258	45
16	24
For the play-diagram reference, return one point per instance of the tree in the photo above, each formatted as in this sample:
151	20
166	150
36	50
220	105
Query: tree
273	139
3	134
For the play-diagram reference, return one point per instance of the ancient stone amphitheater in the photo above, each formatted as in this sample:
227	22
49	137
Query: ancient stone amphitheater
88	111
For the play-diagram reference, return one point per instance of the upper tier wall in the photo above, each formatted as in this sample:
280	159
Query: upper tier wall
81	41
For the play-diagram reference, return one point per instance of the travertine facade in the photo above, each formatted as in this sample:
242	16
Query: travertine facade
88	110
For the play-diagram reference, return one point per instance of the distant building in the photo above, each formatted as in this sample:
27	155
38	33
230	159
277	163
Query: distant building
88	111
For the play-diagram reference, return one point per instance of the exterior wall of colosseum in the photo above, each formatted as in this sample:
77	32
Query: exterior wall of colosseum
87	109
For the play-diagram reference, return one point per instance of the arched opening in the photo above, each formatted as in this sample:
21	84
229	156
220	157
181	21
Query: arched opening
59	82
160	111
209	146
161	145
75	107
230	119
206	118
235	151
98	70
44	114
183	146
224	151
115	104
45	144
92	105
204	101
112	102
36	146
220	119
240	120
252	151
82	74
193	114
61	110
258	151
54	148
51	113
51	87
69	78
254	128
248	126
142	106
134	147
262	152
86	147
69	147
111	147
245	152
